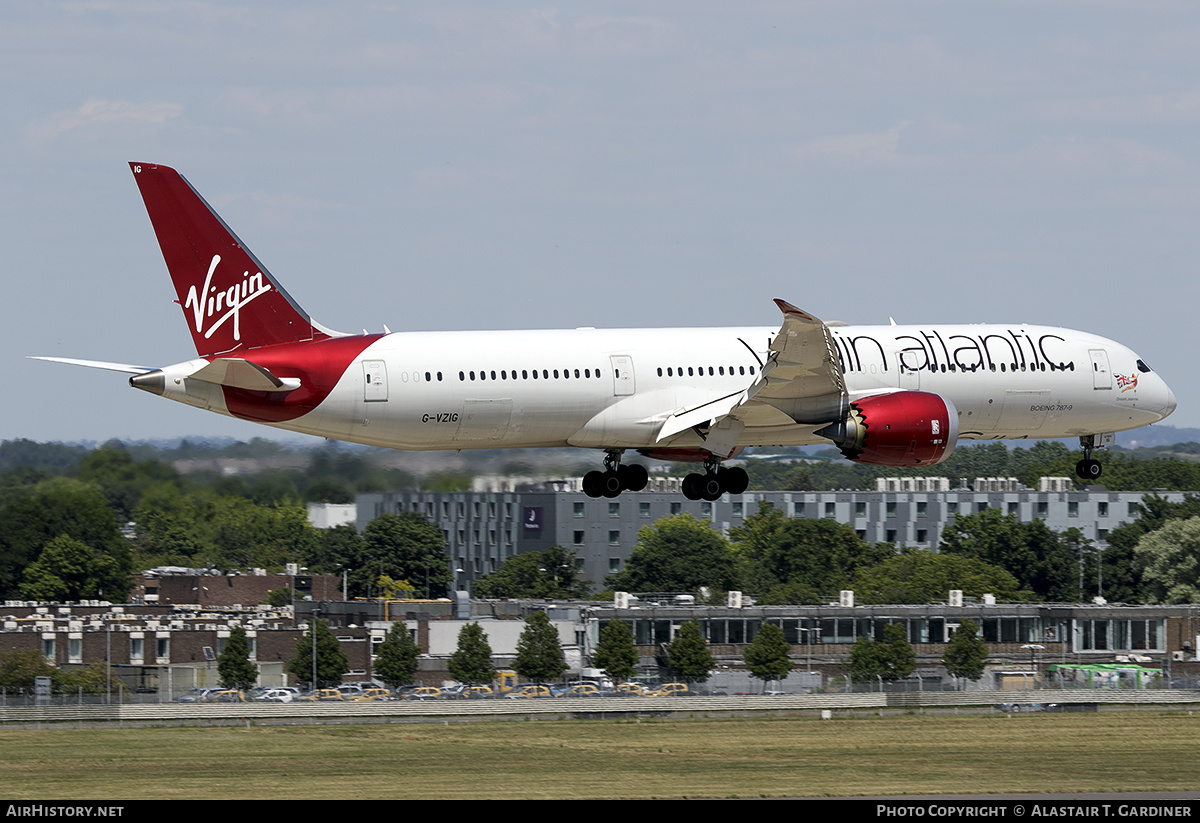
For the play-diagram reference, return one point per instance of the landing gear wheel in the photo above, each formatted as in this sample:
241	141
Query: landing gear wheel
634	477
710	486
734	479
1089	469
593	484
691	486
611	481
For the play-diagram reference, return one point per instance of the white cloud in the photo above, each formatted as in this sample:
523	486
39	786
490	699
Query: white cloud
96	112
872	148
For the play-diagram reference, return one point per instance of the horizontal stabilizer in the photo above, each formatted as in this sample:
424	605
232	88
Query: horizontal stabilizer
242	374
96	364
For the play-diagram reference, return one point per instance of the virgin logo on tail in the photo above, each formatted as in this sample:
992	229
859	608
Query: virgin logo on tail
209	303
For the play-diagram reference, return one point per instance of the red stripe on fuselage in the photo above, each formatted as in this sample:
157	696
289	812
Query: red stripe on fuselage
319	366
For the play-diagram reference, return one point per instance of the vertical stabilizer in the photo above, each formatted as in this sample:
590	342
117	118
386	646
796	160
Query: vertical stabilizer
231	302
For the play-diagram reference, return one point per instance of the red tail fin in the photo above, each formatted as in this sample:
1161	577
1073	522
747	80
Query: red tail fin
229	299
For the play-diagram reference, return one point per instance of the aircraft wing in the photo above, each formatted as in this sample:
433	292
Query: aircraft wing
802	378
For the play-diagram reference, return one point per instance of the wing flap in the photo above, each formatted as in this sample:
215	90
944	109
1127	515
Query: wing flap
801	379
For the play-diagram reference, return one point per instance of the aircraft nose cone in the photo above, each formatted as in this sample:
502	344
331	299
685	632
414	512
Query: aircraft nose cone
1169	406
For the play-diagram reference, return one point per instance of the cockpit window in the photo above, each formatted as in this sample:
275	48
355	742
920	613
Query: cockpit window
1142	367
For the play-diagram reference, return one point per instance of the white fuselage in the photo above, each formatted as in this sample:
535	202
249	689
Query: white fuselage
613	389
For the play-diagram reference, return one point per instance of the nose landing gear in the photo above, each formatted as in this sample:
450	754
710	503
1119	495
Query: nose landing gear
1088	468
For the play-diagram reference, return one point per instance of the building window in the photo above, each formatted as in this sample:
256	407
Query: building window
860	509
1102	508
162	648
75	649
706	510
578	536
614	537
1012	508
643	509
737	510
614	509
48	648
1072	509
891	536
921	508
676	508
1043	509
614	565
578	510
922	536
137	649
891	509
830	509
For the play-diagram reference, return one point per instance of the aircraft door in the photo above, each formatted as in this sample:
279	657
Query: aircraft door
1101	375
623	381
908	369
375	387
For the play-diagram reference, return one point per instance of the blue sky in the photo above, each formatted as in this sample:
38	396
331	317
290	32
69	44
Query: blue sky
435	166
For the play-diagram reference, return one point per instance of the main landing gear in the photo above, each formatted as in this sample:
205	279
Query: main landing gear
1087	468
615	478
715	481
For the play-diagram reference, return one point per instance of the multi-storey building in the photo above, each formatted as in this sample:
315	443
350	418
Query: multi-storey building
485	528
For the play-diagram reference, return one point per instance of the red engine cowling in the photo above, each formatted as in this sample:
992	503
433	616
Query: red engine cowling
908	428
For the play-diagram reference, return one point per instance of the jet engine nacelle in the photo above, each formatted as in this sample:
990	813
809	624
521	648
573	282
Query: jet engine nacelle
908	428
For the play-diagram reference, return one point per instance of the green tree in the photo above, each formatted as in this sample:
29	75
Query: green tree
1039	558
94	679
396	663
247	535
404	546
1170	557
234	667
551	574
471	662
889	659
919	576
59	506
1121	566
20	667
966	653
677	554
331	660
865	663
767	656
900	659
539	655
68	569
790	557
688	656
615	654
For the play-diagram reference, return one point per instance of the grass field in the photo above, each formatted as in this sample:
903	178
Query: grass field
661	758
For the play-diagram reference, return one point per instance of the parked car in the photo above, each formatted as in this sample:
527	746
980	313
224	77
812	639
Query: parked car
671	689
424	693
581	690
198	695
529	692
277	695
632	689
